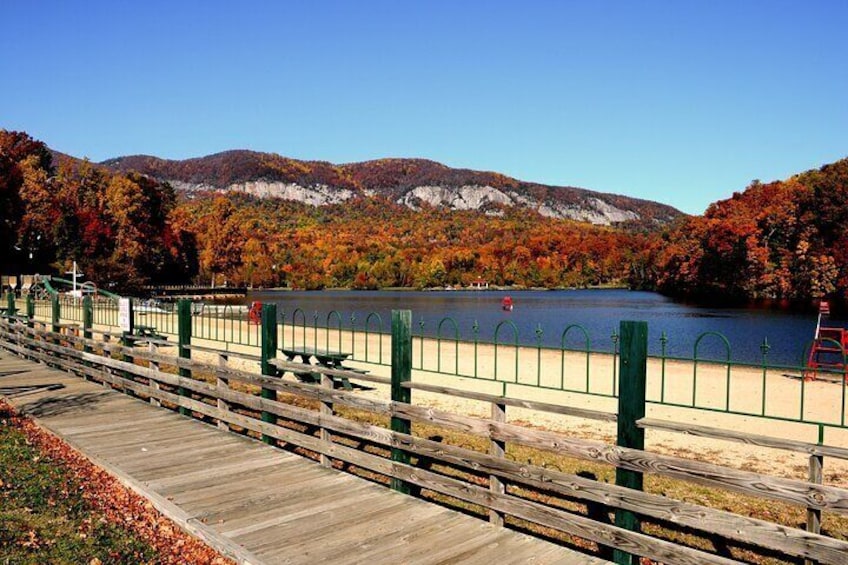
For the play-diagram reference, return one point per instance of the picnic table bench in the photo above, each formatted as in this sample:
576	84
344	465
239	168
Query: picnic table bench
324	358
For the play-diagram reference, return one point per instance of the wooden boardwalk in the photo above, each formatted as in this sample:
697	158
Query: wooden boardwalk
252	502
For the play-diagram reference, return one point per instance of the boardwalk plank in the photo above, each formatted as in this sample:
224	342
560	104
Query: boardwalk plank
237	470
251	501
340	546
311	510
241	520
160	466
218	498
227	469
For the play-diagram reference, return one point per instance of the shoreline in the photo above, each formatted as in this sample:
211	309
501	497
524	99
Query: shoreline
490	288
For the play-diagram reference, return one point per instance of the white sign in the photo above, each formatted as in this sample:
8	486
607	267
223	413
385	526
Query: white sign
124	316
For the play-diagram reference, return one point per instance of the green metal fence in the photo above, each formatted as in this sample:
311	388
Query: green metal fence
781	392
714	385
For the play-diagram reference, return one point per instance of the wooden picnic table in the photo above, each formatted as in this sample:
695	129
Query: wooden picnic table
323	357
141	332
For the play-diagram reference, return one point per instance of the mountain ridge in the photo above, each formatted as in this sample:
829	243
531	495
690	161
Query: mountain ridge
413	182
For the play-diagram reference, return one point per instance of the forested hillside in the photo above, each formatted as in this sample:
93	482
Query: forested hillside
372	243
781	240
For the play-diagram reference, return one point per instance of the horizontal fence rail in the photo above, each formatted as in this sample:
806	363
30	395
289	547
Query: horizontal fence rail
486	465
708	381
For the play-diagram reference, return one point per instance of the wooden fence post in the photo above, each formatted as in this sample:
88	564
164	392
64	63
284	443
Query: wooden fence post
401	373
497	448
154	367
269	352
30	314
326	409
10	311
184	345
223	384
633	368
814	516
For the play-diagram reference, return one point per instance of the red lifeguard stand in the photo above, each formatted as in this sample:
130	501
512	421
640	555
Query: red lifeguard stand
828	350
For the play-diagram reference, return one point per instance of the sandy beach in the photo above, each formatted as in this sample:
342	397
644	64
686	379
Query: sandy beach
585	380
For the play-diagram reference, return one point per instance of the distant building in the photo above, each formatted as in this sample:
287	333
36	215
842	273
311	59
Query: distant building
479	284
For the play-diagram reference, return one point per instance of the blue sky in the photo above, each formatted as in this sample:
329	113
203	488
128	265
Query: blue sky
682	102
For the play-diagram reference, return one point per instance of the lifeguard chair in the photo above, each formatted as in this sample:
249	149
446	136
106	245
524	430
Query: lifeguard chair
829	348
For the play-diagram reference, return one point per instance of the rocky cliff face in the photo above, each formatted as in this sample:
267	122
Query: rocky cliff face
592	210
318	195
411	182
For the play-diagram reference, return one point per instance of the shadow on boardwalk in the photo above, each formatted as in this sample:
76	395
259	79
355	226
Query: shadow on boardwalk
255	503
74	403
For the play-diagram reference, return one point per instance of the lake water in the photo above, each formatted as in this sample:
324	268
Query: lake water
598	311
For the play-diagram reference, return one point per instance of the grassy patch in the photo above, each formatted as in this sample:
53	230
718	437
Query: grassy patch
57	507
44	517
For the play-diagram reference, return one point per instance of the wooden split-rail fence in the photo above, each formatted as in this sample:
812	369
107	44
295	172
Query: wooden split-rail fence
381	438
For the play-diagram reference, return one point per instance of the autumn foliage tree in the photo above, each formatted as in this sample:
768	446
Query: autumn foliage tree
781	240
116	226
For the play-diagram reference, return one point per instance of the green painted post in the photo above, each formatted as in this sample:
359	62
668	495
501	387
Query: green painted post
54	312
269	352
87	318
184	343
87	323
633	368
54	316
401	373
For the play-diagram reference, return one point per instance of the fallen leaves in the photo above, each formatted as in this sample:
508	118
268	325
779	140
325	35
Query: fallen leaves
113	502
31	540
